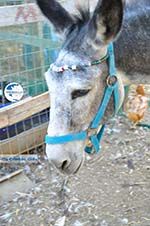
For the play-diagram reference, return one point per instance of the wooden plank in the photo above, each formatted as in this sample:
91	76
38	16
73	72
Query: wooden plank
27	13
19	14
25	141
29	40
23	109
7	177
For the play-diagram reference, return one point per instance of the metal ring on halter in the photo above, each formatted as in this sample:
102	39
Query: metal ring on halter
111	80
91	131
89	144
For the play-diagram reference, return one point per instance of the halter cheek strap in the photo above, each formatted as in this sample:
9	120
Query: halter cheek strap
94	133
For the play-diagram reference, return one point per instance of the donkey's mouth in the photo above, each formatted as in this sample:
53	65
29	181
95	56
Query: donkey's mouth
79	167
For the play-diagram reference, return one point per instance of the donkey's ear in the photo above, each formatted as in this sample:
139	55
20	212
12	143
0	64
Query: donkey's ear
57	15
107	20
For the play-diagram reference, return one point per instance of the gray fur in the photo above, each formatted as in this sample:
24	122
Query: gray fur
133	45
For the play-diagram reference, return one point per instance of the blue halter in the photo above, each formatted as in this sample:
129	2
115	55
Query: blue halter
94	133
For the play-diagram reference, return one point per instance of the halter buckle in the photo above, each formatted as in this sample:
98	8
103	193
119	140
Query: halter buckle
89	144
111	80
91	132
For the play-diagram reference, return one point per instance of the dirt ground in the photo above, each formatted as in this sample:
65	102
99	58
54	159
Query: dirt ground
112	188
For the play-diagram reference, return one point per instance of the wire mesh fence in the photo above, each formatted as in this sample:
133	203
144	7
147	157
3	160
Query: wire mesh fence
27	46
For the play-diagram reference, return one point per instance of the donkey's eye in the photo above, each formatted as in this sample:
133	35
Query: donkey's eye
79	93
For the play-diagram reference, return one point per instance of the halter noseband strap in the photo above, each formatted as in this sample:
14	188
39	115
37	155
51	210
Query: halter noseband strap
94	133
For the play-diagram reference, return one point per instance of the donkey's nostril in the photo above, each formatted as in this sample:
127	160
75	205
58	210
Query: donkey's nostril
64	165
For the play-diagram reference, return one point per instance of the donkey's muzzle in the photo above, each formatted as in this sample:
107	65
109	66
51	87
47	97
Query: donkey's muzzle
61	165
65	161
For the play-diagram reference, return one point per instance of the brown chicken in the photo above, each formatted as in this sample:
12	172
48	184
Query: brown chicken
136	103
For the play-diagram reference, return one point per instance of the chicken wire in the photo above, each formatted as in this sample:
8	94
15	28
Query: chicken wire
23	60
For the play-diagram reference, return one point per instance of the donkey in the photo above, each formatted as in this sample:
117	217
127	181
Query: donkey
75	95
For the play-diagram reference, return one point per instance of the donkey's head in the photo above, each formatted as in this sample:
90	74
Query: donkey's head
75	95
